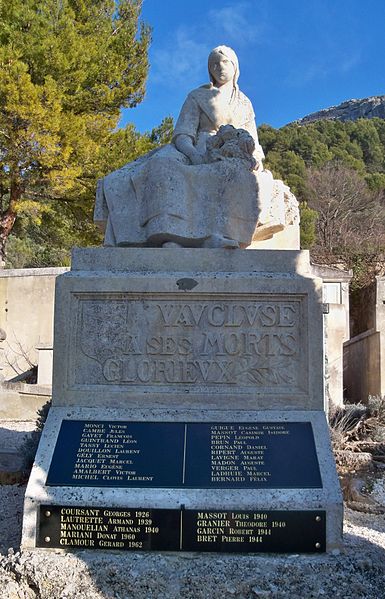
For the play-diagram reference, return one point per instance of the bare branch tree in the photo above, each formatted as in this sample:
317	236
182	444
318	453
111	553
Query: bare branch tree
350	215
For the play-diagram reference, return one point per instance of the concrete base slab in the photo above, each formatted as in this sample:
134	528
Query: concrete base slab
327	498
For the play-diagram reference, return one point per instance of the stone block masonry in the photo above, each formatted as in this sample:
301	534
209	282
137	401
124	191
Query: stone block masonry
187	382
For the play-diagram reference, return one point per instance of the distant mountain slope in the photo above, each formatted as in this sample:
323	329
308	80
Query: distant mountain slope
351	110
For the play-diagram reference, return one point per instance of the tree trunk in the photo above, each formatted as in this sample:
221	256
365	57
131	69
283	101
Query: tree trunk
7	221
8	217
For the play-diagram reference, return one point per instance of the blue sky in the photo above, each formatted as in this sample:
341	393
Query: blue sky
296	56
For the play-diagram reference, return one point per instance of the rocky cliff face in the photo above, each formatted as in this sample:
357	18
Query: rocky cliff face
367	108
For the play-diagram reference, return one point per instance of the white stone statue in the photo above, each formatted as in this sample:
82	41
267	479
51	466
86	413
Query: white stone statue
208	187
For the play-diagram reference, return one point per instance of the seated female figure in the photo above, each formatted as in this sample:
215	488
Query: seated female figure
179	194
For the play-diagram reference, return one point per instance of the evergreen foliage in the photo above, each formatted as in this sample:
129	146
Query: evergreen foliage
308	219
359	145
47	241
337	171
67	67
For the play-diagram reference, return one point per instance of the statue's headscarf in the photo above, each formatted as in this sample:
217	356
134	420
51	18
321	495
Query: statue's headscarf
230	55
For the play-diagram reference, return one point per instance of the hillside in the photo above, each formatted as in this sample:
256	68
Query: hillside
337	171
351	110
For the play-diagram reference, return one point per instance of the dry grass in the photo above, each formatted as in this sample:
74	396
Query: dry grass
358	439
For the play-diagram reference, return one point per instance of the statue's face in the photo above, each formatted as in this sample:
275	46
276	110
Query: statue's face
221	69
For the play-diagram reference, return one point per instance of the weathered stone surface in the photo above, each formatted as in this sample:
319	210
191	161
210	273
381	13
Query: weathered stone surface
327	497
203	336
26	303
208	187
221	331
351	110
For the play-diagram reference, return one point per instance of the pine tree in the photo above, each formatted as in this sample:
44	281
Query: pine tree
67	67
308	219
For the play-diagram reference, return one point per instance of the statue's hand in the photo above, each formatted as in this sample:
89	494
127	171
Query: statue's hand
196	158
184	144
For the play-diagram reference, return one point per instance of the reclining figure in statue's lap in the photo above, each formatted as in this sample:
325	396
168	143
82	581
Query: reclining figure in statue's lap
205	189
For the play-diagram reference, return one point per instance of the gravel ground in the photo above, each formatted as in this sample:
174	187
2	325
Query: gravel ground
13	433
357	572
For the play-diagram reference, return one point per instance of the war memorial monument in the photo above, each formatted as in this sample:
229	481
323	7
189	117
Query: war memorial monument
188	407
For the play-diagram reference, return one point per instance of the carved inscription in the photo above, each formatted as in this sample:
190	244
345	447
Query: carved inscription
137	529
238	452
107	451
102	528
254	531
177	455
234	527
200	342
118	454
260	455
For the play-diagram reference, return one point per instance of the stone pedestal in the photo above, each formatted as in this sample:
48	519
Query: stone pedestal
222	353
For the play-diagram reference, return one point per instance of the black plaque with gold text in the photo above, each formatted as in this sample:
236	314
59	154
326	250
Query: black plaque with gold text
262	455
118	454
221	455
254	531
108	528
135	529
